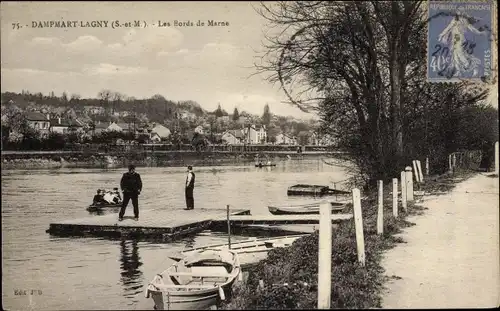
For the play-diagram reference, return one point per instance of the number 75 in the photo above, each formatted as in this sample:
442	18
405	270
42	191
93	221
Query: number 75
15	26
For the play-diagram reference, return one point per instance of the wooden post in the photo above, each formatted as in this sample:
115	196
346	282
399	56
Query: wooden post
454	160
380	214
414	162
358	222
496	158
450	165
325	257
395	197
409	184
403	191
228	228
427	166
420	174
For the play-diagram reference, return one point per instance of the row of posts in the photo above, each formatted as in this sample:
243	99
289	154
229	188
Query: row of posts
325	225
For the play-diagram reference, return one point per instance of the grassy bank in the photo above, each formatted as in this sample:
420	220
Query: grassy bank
290	274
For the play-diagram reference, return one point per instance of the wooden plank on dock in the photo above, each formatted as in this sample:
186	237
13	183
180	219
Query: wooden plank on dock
282	219
156	223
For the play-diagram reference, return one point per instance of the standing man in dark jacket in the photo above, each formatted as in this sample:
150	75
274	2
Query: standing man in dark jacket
131	185
189	188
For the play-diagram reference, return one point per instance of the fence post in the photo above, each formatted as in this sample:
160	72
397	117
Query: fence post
395	197
417	177
358	223
450	165
228	228
454	160
427	166
325	257
409	184
496	158
380	213
404	203
420	174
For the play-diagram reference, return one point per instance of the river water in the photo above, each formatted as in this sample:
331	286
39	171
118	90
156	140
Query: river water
43	272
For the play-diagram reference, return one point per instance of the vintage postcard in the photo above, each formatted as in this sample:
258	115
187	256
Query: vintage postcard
249	155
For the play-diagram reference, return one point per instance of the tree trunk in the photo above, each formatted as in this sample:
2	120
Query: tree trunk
397	128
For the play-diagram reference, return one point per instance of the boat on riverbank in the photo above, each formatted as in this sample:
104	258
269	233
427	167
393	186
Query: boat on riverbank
249	251
197	282
305	208
314	190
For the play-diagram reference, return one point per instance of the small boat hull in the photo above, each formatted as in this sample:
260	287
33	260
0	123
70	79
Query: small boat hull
107	205
306	209
250	251
201	300
264	165
197	282
314	190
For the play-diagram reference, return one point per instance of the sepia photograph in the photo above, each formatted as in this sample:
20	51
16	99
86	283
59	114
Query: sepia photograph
235	155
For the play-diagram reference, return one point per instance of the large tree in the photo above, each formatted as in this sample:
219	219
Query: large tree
236	114
358	64
266	116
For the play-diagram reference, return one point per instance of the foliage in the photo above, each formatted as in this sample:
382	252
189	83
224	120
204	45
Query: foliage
266	116
365	64
236	114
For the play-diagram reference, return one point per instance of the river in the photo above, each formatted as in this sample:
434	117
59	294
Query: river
43	272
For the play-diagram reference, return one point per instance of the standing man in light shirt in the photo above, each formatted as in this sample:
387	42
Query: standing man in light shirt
189	188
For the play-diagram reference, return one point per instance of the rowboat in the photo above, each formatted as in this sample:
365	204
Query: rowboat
105	205
249	251
306	208
197	282
315	190
264	165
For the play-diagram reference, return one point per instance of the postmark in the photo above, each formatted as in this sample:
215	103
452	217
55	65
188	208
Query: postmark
459	41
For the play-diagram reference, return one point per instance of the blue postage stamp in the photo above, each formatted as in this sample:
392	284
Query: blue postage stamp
459	41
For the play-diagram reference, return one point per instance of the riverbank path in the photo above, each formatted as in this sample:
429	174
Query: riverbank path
451	258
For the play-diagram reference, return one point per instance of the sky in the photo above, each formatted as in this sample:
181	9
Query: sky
207	64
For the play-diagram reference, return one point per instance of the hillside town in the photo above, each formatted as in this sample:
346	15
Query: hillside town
79	120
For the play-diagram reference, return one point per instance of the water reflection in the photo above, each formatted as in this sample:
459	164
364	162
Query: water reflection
131	275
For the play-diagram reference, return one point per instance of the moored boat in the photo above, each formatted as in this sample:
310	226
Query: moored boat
306	208
197	282
314	190
249	251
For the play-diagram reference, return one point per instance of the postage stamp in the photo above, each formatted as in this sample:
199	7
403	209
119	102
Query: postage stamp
459	41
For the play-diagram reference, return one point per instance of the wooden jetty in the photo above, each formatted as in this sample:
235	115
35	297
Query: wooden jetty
157	224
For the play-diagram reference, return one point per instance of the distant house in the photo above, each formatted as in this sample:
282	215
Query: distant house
187	115
39	122
162	131
199	129
314	139
64	126
114	127
285	139
233	137
155	138
255	134
100	127
224	118
94	110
